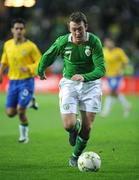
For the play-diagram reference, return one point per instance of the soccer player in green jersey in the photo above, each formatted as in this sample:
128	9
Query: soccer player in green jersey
80	86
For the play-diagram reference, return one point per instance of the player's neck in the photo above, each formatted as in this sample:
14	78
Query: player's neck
19	40
84	39
110	48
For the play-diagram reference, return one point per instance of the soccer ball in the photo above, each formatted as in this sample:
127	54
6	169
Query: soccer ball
89	161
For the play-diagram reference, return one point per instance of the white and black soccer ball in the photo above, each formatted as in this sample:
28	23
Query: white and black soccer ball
89	161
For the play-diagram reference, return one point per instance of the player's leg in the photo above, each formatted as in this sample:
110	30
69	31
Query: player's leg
11	112
68	108
124	102
33	103
11	105
126	105
83	136
26	91
72	125
107	105
23	126
113	83
11	99
90	104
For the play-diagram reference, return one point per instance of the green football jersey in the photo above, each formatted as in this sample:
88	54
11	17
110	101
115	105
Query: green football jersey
86	59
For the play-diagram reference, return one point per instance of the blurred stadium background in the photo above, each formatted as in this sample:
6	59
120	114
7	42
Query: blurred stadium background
46	20
114	138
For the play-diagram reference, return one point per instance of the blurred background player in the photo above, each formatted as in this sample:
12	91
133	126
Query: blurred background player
116	60
21	57
83	59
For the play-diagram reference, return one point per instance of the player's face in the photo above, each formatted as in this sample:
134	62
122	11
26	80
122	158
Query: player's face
78	31
109	43
18	30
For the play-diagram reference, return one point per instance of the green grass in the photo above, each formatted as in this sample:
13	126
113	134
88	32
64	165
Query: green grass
45	157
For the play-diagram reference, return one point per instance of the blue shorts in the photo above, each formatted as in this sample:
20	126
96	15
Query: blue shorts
114	82
20	92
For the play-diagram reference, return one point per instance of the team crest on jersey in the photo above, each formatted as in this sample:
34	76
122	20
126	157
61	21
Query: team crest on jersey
66	106
24	52
87	51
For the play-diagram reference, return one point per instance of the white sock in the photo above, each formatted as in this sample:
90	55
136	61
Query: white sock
107	105
123	101
23	132
26	132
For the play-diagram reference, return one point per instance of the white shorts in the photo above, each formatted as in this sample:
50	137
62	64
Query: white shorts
83	95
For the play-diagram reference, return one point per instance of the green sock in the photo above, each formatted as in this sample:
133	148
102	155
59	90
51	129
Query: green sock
77	125
24	124
79	147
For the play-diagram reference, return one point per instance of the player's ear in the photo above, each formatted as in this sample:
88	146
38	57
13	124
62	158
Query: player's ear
86	27
24	31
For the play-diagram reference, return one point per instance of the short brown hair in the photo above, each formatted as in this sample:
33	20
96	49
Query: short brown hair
78	17
17	20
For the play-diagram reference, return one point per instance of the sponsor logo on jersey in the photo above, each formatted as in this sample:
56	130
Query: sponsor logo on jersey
24	52
68	48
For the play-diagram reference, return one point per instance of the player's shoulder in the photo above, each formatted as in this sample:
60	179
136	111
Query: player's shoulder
118	49
105	49
29	42
63	39
93	38
9	42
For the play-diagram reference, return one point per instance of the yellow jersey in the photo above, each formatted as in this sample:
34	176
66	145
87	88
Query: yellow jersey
115	60
16	56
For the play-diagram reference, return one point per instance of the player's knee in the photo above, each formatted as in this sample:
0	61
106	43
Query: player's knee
68	126
22	114
69	121
10	113
20	110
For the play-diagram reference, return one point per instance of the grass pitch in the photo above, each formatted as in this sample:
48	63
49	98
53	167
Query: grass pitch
45	157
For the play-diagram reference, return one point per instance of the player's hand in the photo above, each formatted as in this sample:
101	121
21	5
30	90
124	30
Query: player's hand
77	77
42	77
0	78
24	69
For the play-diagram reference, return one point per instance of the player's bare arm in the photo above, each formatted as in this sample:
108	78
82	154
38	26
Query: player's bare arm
42	77
2	68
